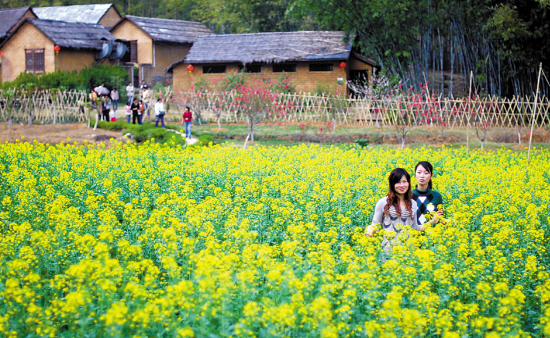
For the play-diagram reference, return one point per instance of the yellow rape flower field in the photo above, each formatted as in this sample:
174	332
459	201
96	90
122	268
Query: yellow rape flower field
158	241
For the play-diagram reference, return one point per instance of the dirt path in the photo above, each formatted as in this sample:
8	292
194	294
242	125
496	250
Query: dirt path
56	133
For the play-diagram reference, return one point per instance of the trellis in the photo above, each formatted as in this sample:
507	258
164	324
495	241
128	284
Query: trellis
515	112
53	106
44	106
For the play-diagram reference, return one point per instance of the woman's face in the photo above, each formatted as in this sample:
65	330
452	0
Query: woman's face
402	186
423	176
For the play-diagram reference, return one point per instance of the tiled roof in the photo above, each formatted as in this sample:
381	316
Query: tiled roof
77	13
74	35
268	47
178	31
9	17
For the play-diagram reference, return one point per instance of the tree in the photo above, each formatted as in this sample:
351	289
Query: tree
257	102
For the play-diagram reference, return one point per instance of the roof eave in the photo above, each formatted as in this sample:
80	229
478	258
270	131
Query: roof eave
116	10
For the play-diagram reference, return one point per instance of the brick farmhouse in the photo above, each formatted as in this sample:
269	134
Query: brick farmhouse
157	43
309	58
39	46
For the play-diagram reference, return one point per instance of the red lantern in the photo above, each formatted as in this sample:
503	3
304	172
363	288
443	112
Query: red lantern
190	68
56	49
343	64
0	53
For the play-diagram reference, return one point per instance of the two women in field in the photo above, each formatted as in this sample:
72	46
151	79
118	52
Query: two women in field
405	206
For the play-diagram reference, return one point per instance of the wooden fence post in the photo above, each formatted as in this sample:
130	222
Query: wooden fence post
533	119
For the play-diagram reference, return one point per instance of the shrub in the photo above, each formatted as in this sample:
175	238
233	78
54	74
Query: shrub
204	141
362	142
86	79
142	133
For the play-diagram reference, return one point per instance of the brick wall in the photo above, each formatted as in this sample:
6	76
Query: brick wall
110	18
74	59
302	79
128	31
28	14
165	55
13	52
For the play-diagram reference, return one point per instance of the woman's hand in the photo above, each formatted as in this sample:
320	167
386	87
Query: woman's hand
370	231
436	218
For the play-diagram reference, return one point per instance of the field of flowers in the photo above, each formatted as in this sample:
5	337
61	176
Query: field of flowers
157	241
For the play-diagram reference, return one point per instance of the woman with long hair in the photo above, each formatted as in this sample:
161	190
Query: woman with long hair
396	209
426	198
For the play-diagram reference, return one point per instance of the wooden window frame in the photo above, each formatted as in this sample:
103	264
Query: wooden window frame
37	60
214	69
134	51
252	68
285	68
321	67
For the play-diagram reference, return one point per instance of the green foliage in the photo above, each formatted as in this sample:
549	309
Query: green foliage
204	141
86	79
232	80
119	125
322	89
201	84
282	84
142	133
362	142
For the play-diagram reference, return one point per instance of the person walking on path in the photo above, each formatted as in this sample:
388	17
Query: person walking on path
136	114
187	119
130	93
128	110
159	113
146	98
114	98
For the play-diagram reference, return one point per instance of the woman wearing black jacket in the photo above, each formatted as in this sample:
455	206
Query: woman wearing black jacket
135	112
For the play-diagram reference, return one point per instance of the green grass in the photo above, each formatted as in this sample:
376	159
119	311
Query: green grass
384	137
145	132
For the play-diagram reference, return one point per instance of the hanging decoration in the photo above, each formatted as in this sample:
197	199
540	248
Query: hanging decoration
56	49
343	64
190	68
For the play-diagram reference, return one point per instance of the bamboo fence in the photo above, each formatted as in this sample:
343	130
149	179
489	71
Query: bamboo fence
515	112
42	106
50	106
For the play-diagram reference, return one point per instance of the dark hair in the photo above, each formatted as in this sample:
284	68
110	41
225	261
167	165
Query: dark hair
395	176
187	107
159	99
429	168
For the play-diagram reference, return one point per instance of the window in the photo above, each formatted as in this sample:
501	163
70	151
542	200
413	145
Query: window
213	69
34	59
251	68
321	67
133	51
284	67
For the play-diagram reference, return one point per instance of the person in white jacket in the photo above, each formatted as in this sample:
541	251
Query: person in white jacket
159	113
114	99
130	93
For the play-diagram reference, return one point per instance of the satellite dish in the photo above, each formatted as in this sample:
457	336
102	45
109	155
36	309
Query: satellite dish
121	49
105	50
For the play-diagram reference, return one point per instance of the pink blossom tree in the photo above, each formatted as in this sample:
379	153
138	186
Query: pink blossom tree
258	102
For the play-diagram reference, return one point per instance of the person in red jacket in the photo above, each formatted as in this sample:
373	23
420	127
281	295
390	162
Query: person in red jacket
187	119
